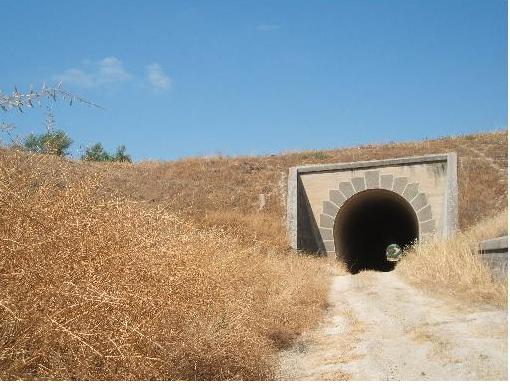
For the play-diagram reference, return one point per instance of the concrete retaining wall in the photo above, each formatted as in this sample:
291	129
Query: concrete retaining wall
494	253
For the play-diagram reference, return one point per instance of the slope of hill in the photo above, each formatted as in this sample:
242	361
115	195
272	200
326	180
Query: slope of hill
175	270
94	286
200	185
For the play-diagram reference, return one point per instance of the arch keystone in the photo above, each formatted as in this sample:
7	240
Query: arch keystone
372	179
387	182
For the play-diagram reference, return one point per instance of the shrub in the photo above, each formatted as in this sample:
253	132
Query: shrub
121	155
51	142
97	152
95	287
316	155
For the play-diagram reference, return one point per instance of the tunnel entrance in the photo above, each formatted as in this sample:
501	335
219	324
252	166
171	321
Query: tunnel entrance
370	221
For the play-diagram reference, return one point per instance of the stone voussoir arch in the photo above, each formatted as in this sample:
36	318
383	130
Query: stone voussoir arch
373	179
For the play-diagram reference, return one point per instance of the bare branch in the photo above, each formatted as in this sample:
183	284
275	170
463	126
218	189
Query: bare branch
8	128
19	100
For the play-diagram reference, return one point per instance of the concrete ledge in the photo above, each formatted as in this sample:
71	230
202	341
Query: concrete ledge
499	243
494	253
370	163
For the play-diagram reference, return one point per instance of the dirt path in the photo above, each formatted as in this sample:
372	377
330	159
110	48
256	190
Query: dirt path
380	328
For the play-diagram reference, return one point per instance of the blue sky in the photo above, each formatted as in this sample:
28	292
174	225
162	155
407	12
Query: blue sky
192	78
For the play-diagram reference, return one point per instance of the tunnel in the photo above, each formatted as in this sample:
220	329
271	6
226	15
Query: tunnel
367	223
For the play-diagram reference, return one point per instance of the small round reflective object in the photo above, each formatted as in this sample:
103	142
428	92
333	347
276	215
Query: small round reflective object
393	252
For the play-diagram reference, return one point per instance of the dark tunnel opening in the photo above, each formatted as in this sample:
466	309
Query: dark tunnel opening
370	221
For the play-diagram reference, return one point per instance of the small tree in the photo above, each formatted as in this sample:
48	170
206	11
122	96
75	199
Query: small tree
96	152
121	155
52	142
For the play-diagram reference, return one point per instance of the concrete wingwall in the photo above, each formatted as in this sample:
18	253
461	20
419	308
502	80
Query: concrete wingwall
494	253
317	193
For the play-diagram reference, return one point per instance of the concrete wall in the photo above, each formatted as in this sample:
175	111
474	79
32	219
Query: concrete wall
317	192
494	253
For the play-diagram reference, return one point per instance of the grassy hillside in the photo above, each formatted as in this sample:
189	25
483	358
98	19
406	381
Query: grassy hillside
201	185
175	270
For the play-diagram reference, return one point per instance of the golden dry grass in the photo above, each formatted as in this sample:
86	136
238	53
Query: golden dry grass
195	186
98	287
453	266
490	227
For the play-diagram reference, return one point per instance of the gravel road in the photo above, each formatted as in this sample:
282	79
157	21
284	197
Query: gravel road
380	328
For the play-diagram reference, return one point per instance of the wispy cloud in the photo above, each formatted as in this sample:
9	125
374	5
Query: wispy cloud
157	78
95	73
267	27
111	70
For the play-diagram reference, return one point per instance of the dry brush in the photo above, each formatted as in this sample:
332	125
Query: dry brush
99	287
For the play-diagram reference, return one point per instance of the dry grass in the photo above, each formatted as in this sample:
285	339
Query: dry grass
489	228
453	266
99	287
195	186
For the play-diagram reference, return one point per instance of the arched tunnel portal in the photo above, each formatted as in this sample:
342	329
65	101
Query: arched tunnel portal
367	223
353	211
367	212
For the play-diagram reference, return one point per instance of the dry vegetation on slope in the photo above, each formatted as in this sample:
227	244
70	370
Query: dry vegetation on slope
197	186
174	270
98	287
453	267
